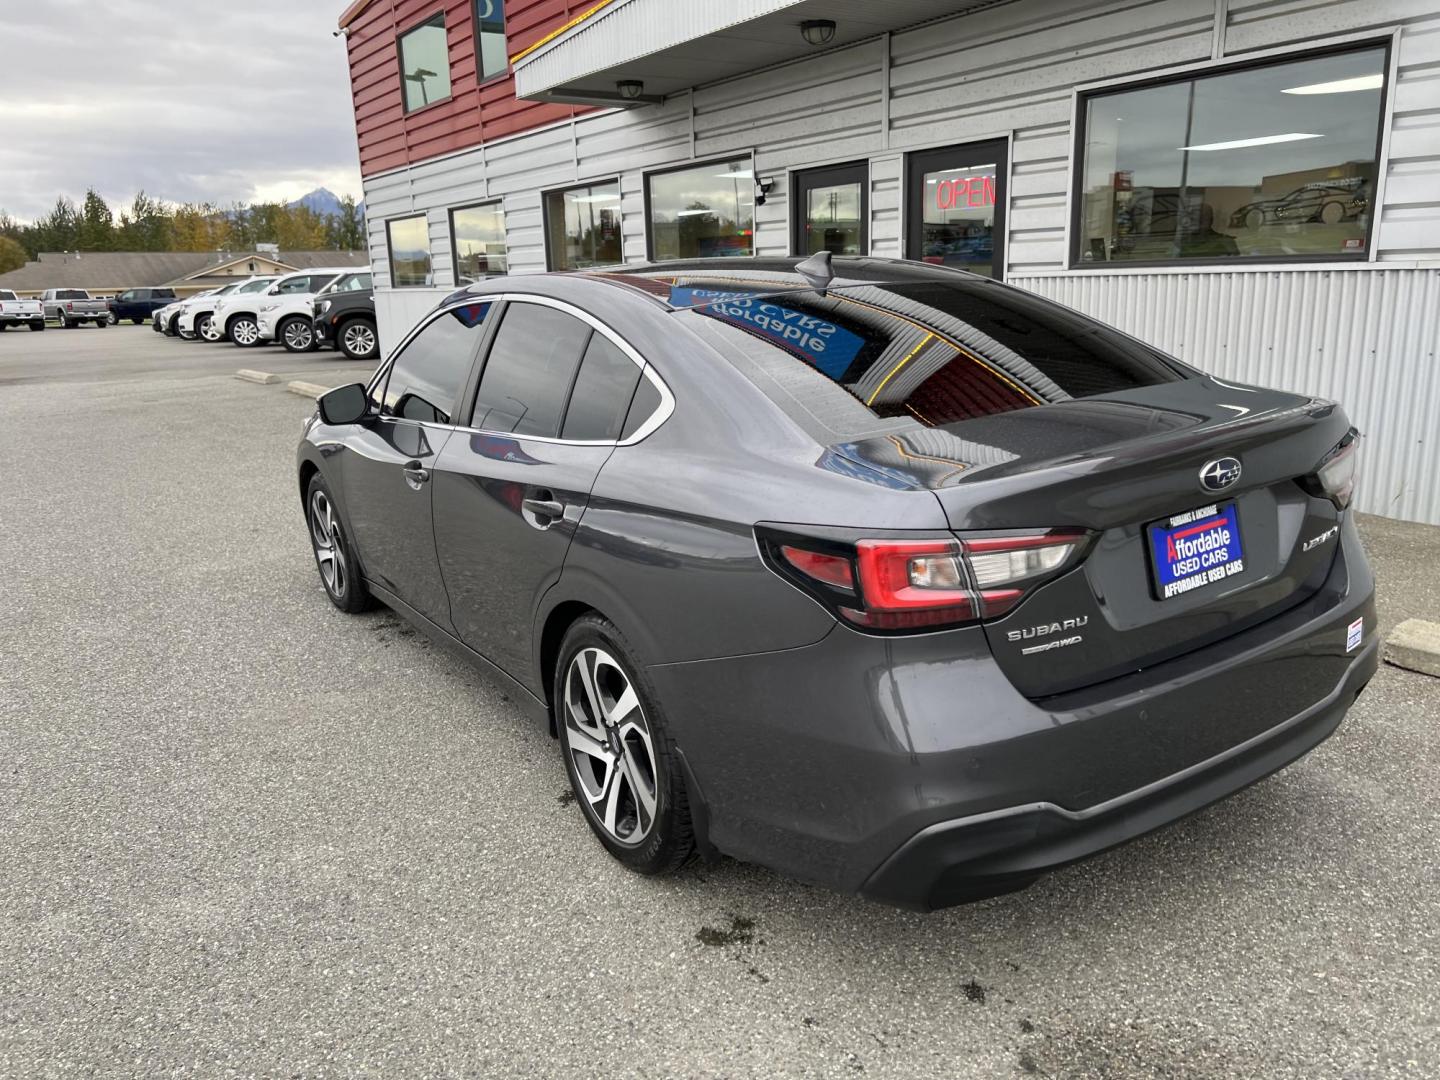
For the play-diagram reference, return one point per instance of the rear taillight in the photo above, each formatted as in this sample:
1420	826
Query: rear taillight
1334	477
894	585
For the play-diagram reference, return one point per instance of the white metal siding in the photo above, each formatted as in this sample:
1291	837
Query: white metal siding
1368	339
1365	335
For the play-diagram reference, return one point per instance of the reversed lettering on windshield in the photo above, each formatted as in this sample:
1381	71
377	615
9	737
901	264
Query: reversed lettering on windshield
1197	548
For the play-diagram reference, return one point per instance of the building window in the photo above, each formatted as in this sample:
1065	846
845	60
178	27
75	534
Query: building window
490	38
425	63
409	240
1275	160
477	239
582	226
702	211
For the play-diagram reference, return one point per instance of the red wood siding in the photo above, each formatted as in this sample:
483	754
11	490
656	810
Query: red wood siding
388	136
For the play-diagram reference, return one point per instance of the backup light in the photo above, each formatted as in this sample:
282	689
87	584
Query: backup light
1334	477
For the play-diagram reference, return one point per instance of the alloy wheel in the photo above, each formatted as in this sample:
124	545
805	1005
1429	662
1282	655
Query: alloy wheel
329	547
245	332
298	336
202	327
359	339
610	746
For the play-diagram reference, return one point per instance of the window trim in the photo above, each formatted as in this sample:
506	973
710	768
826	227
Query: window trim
405	110
662	411
545	194
481	79
390	248
683	166
454	248
1082	95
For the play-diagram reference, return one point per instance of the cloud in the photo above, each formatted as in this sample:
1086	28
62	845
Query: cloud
202	100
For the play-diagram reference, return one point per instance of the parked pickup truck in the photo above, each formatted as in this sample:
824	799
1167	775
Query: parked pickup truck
138	305
71	307
14	311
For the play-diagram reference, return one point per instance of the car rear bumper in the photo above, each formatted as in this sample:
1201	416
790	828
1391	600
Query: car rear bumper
912	771
970	858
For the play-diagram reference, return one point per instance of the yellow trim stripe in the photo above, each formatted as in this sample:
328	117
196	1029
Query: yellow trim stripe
556	33
903	361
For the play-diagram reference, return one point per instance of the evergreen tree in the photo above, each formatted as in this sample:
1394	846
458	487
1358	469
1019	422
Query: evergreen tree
96	226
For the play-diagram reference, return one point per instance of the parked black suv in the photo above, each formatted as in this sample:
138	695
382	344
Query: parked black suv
346	320
138	305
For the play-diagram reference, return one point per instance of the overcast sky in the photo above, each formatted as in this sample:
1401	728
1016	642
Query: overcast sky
191	100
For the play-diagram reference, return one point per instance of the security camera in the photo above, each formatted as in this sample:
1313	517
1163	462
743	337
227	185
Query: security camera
344	32
762	188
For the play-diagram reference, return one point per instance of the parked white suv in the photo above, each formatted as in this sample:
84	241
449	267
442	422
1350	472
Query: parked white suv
197	315
237	317
288	317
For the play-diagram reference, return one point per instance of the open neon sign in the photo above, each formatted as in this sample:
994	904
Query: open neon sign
974	191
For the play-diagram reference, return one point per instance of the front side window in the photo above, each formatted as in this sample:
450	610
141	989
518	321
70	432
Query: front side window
582	226
703	212
409	240
258	285
425	64
351	282
128	294
490	38
478	237
427	375
1277	161
529	370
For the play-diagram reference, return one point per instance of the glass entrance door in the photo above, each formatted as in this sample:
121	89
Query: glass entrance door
829	209
956	207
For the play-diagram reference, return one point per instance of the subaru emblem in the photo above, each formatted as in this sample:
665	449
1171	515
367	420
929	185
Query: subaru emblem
1219	474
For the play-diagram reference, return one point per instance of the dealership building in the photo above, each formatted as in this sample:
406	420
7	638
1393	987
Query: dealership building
1251	185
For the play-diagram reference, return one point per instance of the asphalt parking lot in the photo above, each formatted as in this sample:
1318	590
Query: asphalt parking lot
243	833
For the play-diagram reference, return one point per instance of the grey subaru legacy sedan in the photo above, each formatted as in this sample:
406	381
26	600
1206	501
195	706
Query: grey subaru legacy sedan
888	576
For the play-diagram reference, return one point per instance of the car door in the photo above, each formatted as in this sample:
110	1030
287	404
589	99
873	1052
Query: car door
510	488
389	461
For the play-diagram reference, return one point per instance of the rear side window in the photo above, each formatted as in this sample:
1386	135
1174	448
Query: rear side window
529	370
602	393
71	294
427	375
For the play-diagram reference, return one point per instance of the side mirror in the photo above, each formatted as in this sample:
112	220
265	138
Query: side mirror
344	404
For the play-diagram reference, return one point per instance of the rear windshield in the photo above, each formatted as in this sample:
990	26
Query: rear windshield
935	351
6	294
71	294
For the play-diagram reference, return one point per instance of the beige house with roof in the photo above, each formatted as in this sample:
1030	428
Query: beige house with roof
106	273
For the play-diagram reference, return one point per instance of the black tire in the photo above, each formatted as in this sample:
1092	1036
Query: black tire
198	325
137	322
670	839
172	327
38	325
102	323
344	336
292	327
348	591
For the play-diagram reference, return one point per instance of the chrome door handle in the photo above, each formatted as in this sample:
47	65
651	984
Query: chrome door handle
544	508
416	476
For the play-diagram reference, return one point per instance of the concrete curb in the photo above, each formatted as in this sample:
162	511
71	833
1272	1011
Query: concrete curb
1415	646
263	377
307	389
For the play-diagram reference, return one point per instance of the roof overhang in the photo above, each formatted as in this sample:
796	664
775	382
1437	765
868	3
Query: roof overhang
672	45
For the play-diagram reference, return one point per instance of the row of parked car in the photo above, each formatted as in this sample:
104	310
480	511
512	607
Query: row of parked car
302	311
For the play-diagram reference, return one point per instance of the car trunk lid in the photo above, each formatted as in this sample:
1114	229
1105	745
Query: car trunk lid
1117	466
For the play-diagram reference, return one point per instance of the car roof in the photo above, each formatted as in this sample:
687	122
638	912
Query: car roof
698	283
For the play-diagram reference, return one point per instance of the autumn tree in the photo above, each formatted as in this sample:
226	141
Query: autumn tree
12	255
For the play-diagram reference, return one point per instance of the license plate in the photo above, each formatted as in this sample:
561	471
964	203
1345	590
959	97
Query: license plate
1195	549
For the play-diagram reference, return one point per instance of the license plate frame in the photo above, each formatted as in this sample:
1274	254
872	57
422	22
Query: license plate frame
1194	550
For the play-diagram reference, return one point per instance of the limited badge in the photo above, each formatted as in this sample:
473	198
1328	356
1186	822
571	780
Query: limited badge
1354	635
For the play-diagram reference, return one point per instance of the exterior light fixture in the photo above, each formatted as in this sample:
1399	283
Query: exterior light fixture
630	89
818	31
